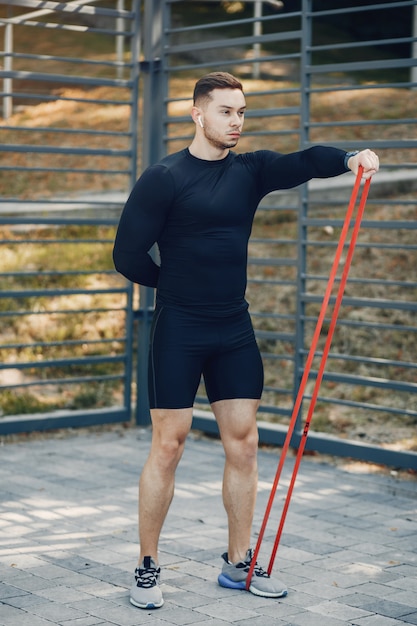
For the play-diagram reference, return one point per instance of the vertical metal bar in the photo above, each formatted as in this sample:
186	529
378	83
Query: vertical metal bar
164	78
257	32
414	47
153	105
152	151
8	66
129	351
120	40
306	37
134	103
135	77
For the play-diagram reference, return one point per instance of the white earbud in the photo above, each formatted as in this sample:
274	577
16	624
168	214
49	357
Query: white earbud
200	121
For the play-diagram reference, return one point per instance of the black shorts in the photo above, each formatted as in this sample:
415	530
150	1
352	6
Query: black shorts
184	346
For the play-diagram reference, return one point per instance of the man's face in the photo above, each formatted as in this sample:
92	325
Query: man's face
223	117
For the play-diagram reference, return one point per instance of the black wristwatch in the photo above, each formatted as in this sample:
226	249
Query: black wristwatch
347	157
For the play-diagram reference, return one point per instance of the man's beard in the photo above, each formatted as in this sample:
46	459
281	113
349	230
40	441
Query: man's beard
216	142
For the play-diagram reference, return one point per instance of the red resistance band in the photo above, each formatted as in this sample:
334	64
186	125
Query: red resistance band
306	373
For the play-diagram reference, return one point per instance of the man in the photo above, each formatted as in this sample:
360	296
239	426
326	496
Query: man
198	206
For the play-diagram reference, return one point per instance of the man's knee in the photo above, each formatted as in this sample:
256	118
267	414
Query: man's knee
166	453
242	451
170	430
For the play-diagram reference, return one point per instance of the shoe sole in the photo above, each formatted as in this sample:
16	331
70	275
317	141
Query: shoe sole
228	583
149	605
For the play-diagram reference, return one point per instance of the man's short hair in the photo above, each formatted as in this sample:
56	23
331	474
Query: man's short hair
215	80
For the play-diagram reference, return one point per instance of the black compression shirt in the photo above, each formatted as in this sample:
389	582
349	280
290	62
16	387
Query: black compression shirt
200	214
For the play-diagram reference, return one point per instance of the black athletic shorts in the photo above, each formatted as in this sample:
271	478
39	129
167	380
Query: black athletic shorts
184	346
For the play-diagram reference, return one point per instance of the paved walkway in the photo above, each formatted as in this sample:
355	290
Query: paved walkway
68	539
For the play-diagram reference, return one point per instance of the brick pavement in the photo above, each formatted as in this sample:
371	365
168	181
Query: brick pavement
68	539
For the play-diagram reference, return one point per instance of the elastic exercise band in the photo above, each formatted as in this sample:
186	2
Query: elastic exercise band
308	364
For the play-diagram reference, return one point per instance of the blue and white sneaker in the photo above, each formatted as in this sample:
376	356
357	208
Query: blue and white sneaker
233	576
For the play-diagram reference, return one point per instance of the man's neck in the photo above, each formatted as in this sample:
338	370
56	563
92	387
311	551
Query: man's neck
207	152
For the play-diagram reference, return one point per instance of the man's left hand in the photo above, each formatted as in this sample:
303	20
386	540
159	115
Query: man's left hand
369	161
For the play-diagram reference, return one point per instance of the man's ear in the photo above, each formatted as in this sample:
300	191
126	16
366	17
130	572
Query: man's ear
196	115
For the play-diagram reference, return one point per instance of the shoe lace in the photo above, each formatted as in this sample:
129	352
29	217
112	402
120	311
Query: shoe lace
257	570
146	577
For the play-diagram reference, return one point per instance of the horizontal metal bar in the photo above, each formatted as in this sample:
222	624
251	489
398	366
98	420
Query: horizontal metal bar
61	221
360	87
64	311
275	410
363	359
355	66
363	122
406	328
67	131
277	112
73	170
90	81
54	241
366	406
271	315
360	9
57	274
380	224
73	361
376	144
368	381
75	380
348	45
39	422
275	242
365	281
399	305
371	201
61	344
275	434
267	282
71	28
368	245
232	41
59	98
273	133
271	356
39	293
273	262
75	60
43	149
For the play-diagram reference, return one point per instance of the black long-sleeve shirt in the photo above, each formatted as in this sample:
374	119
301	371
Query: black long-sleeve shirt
200	214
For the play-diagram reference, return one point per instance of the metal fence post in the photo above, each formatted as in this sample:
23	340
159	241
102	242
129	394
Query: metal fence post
303	201
8	66
152	151
120	39
414	47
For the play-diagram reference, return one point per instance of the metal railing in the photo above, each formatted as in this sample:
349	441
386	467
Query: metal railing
67	159
300	91
371	373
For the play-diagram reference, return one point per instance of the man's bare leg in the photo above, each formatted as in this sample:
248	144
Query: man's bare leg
239	433
170	428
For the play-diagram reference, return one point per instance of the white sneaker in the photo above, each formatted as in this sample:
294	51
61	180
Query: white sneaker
145	592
